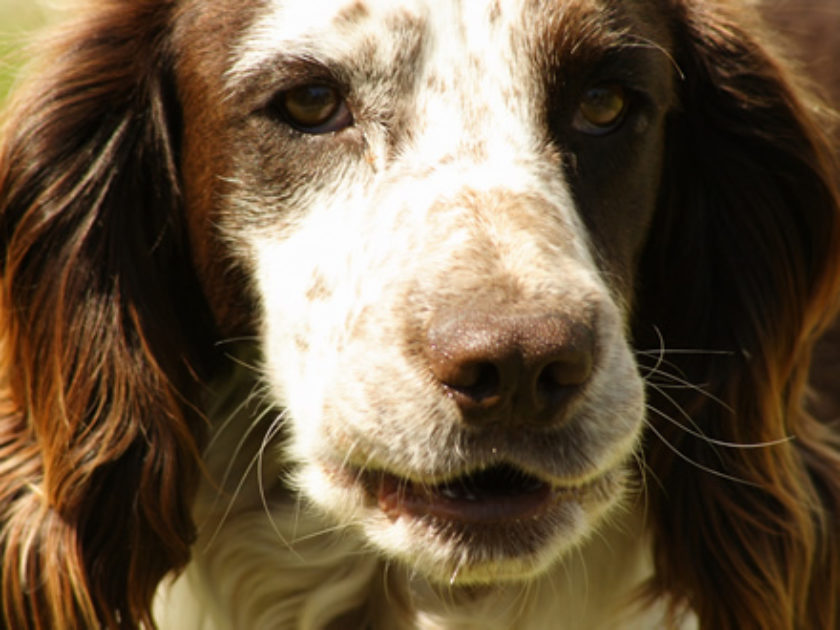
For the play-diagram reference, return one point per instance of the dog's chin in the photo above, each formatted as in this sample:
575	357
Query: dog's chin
492	524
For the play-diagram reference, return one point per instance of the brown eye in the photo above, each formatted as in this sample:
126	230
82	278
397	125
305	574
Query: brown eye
315	108
601	109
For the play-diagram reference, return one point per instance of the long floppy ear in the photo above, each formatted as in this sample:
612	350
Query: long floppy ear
102	330
739	275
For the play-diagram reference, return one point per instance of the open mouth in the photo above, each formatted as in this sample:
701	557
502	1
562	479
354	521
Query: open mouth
490	522
492	495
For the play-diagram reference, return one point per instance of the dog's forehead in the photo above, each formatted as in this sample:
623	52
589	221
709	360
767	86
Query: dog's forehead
343	30
348	30
335	26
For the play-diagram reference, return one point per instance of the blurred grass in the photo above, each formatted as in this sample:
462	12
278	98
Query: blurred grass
19	20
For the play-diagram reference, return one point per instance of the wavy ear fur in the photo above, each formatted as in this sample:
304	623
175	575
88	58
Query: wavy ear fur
102	328
740	272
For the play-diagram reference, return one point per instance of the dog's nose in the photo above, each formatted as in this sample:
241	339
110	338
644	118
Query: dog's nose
516	367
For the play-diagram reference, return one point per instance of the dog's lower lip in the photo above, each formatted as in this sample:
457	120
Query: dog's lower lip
470	499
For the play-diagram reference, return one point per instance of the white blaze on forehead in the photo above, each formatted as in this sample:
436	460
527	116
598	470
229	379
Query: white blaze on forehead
466	101
286	24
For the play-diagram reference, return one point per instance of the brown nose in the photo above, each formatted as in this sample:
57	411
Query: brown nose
511	367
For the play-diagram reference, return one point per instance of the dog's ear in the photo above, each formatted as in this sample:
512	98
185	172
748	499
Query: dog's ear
738	274
102	329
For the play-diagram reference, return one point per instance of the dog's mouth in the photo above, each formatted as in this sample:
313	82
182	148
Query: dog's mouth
489	522
496	494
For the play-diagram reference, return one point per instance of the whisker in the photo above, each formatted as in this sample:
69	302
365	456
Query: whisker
716	442
660	356
673	386
674	381
698	465
386	582
242	480
298	510
694	428
257	391
697	430
688	351
685	385
236	340
678	379
521	601
243	363
275	428
331	529
662	350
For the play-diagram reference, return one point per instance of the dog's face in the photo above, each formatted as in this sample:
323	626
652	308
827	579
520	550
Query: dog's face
439	206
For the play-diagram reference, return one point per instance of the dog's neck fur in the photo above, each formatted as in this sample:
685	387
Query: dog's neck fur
265	559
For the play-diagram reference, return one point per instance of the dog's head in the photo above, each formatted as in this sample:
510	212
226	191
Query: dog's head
448	224
461	192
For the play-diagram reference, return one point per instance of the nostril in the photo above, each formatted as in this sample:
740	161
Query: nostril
561	378
479	382
573	368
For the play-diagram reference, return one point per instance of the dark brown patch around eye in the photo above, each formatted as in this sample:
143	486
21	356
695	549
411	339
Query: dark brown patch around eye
315	108
602	109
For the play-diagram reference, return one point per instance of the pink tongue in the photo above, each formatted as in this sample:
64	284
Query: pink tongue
463	501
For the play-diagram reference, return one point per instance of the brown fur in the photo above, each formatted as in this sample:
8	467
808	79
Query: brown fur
97	419
744	258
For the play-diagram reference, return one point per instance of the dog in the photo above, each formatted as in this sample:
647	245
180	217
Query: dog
419	314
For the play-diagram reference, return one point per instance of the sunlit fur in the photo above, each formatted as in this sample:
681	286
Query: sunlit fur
215	325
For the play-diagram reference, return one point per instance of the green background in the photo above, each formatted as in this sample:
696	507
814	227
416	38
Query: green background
19	21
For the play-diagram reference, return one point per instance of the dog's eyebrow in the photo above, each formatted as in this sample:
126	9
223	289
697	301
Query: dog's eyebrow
325	36
282	70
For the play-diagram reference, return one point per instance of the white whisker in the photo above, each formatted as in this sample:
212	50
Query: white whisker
698	465
721	443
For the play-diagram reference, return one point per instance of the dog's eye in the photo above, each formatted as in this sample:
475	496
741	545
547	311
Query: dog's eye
601	110
315	108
